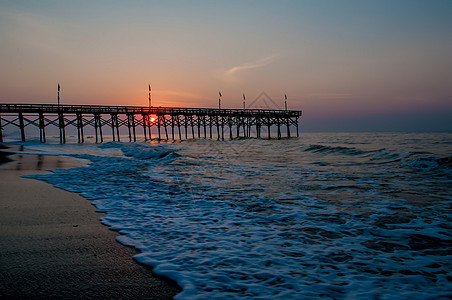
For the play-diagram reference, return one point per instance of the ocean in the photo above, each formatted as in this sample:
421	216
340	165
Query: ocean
325	215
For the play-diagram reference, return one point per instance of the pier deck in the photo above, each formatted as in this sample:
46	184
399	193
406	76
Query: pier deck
179	123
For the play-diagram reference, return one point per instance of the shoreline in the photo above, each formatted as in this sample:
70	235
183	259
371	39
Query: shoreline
54	245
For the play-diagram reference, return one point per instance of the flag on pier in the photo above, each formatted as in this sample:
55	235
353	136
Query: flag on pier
149	87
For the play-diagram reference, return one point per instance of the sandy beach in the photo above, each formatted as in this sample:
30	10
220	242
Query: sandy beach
54	246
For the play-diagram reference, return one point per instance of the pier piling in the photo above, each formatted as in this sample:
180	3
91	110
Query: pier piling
1	130
22	126
144	127
80	135
42	132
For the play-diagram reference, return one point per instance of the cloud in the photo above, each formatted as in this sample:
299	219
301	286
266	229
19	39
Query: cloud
251	65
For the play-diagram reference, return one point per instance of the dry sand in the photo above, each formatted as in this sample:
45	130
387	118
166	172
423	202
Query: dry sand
53	245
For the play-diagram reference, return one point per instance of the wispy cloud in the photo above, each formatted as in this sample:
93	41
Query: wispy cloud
251	65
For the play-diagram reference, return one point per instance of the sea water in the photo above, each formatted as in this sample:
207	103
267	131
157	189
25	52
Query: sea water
326	215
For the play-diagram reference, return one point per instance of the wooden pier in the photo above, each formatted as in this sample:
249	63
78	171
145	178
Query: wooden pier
170	122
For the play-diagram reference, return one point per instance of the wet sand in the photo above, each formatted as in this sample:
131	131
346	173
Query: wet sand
53	245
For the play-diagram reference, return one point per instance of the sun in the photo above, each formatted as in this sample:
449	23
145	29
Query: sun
152	119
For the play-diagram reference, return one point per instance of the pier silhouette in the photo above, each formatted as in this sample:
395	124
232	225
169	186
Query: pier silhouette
171	122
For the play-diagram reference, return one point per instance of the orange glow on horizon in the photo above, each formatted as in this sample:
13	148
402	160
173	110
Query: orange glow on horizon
163	98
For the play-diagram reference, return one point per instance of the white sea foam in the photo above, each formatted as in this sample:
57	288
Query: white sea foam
293	219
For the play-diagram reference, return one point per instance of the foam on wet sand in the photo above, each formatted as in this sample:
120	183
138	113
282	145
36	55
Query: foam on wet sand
53	245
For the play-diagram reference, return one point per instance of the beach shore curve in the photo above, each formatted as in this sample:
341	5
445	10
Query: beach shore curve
54	246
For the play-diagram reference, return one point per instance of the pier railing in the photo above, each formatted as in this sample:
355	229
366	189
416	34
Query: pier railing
163	118
53	108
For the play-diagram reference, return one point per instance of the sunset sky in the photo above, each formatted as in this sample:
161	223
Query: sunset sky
350	65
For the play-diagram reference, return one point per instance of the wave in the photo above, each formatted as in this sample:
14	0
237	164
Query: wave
419	160
338	149
445	162
142	152
284	227
431	163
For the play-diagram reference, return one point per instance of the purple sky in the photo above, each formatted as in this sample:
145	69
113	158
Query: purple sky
349	65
